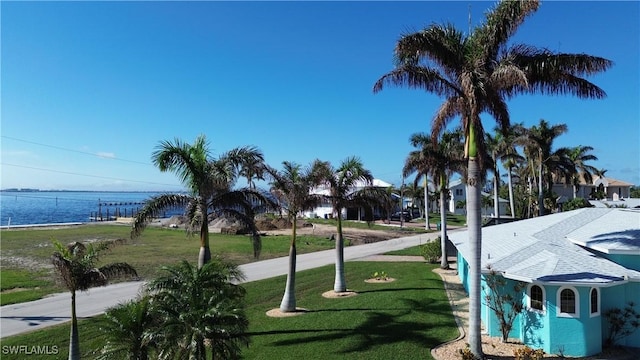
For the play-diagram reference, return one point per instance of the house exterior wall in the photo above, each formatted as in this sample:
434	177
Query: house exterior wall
619	297
628	261
573	336
488	316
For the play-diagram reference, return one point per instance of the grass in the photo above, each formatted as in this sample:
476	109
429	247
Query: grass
412	251
403	319
364	225
18	286
156	247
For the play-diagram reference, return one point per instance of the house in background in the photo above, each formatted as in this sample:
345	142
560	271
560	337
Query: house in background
576	265
458	194
325	210
611	188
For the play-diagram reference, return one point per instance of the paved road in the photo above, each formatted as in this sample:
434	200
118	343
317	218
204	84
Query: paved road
55	309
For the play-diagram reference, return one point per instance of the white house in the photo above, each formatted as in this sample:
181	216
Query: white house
458	193
325	210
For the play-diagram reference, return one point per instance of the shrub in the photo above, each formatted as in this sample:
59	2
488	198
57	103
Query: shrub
527	353
466	354
431	251
576	203
622	323
380	275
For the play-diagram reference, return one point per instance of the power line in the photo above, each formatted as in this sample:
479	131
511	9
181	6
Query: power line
75	151
86	175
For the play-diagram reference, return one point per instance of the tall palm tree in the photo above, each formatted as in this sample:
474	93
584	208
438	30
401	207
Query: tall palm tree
127	328
492	147
292	187
475	73
200	307
579	155
252	168
506	151
440	160
210	184
341	183
76	265
544	159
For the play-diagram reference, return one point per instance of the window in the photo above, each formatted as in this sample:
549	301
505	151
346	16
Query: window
536	297
594	302
568	302
458	192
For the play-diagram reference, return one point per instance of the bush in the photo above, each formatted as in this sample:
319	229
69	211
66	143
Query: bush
466	354
576	203
527	353
431	251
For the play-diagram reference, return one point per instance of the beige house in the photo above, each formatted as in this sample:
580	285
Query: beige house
613	189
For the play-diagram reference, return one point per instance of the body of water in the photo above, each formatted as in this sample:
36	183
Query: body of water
54	207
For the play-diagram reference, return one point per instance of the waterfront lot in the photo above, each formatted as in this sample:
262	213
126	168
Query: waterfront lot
403	319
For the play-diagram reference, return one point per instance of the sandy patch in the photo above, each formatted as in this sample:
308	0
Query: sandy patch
278	313
379	281
334	295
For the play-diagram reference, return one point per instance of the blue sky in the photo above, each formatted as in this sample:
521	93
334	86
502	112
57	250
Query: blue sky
89	89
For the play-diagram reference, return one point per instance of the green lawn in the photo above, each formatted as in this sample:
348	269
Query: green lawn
156	247
403	319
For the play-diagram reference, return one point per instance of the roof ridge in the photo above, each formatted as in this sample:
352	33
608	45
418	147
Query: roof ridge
566	226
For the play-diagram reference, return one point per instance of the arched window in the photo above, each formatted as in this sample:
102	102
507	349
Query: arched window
568	302
536	298
594	302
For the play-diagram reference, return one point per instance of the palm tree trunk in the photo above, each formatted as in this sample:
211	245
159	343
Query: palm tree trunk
426	202
496	202
205	253
511	203
540	191
475	247
288	303
74	340
444	261
339	284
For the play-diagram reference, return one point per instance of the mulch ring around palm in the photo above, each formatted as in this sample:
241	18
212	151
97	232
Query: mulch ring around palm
379	281
279	313
331	294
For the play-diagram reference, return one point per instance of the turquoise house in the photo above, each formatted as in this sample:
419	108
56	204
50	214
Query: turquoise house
575	265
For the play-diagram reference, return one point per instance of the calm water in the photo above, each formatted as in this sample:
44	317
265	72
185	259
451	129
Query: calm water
51	207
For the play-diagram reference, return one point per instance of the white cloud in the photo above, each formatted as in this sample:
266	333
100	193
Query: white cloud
106	155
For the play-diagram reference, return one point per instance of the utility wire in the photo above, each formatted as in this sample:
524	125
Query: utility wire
74	151
86	175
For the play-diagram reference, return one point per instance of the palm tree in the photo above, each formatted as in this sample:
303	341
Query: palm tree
388	202
341	183
200	307
75	264
252	168
292	187
477	73
579	155
538	148
127	328
210	184
440	160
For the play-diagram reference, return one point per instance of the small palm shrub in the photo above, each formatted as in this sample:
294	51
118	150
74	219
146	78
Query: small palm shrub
431	251
380	275
527	353
466	354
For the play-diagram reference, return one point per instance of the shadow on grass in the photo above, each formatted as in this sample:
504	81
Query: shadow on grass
397	289
379	329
